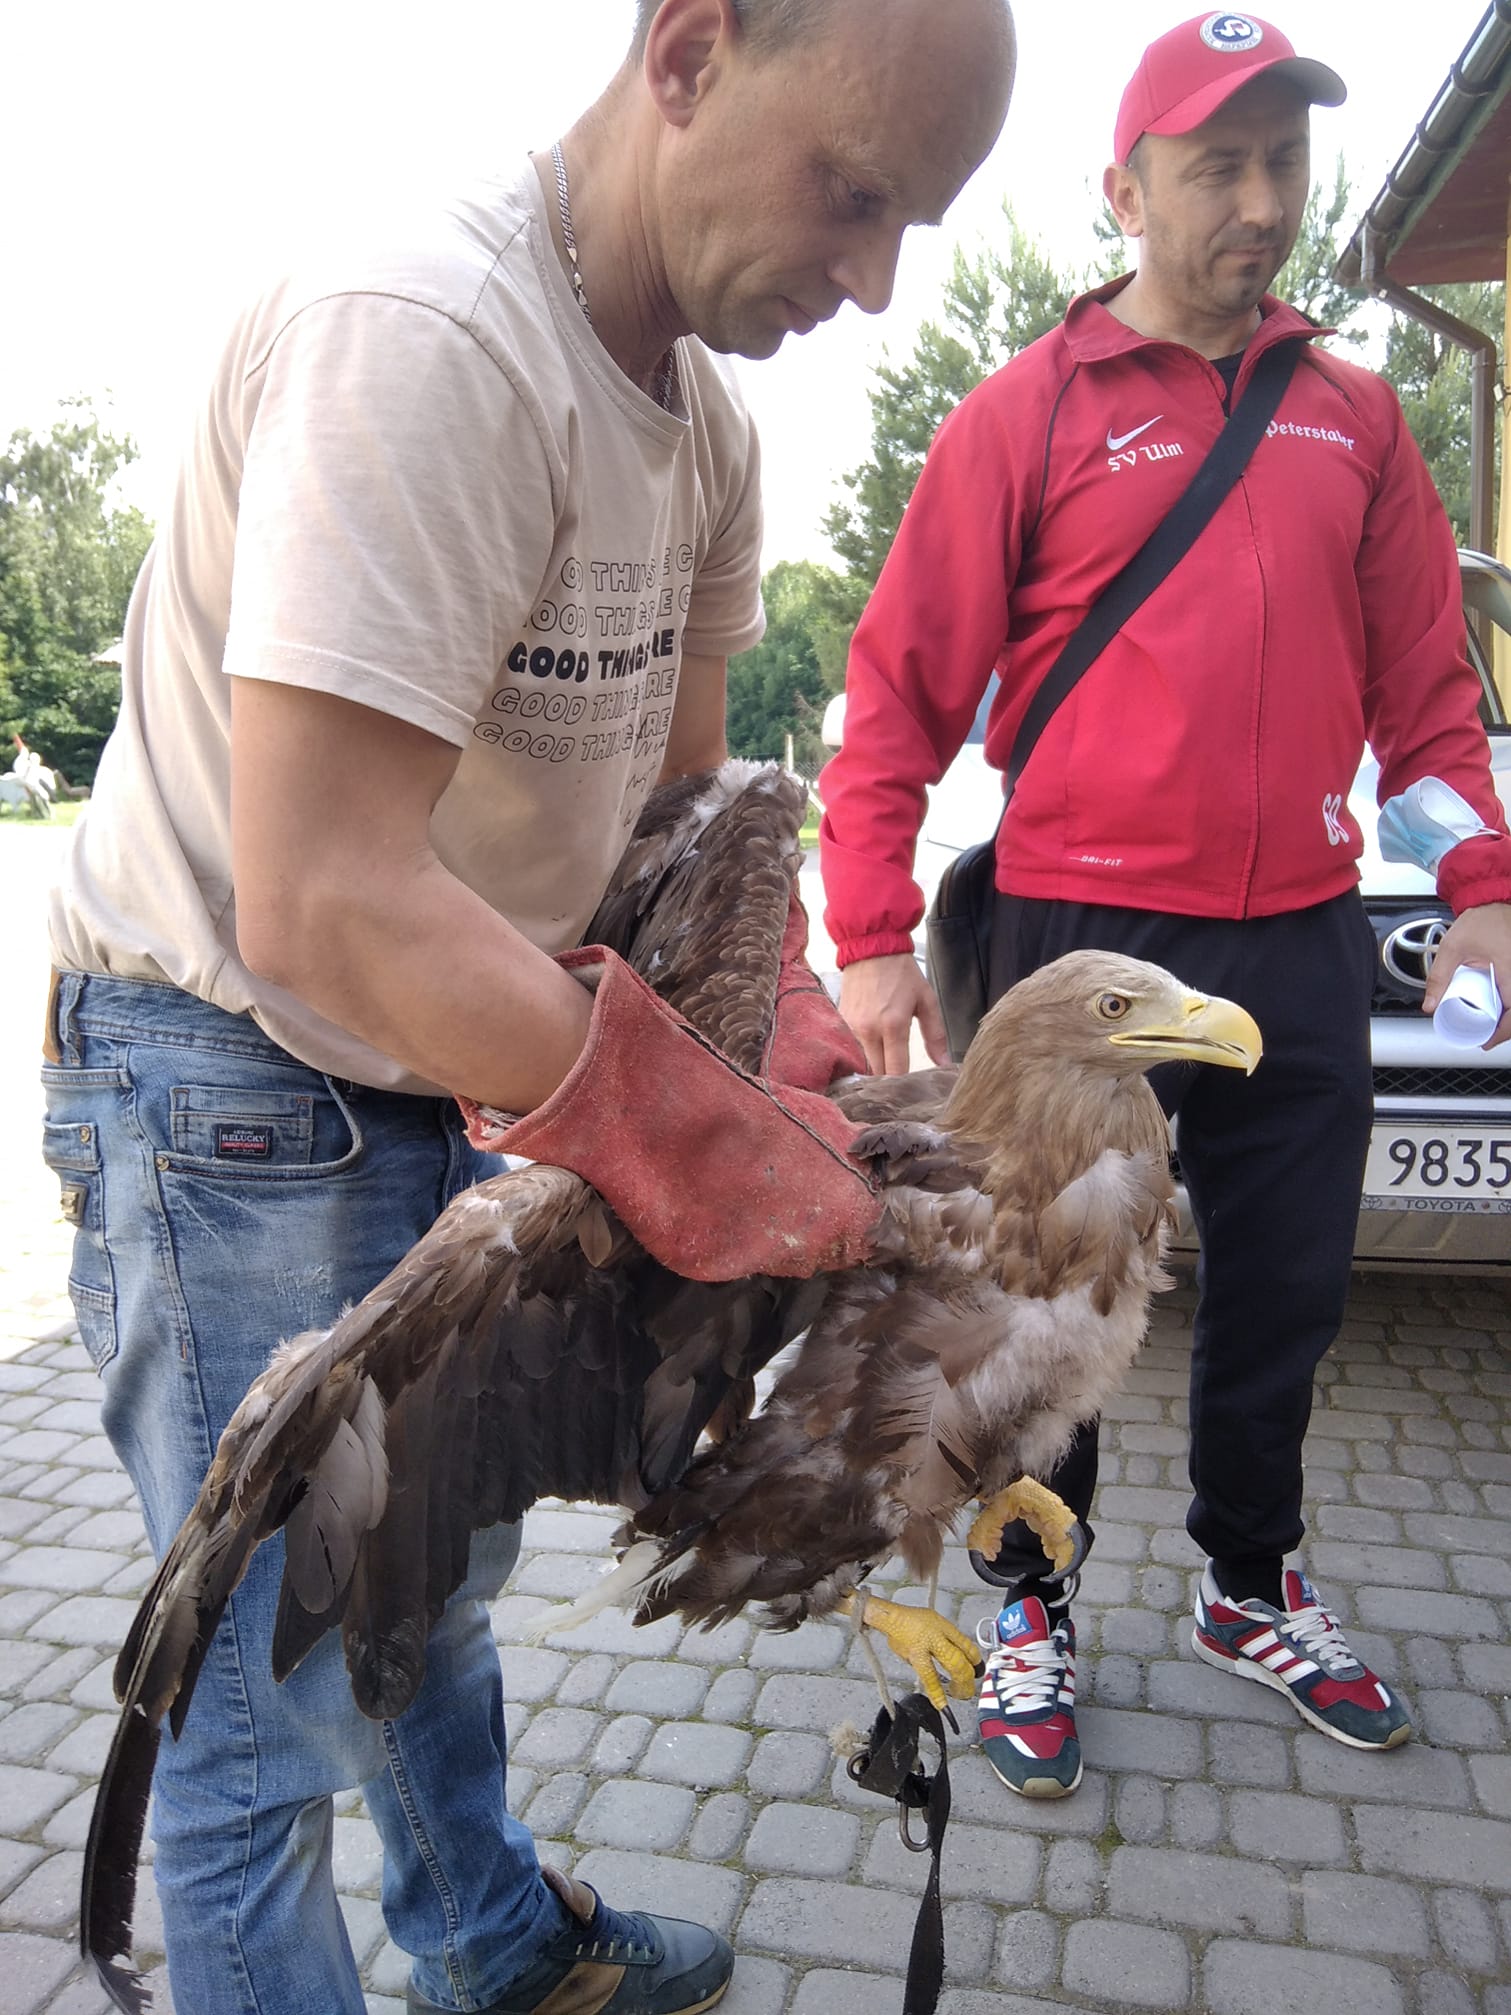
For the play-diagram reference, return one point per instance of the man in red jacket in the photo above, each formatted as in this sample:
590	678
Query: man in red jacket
1188	801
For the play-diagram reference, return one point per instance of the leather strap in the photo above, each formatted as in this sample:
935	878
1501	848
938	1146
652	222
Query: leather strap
890	1764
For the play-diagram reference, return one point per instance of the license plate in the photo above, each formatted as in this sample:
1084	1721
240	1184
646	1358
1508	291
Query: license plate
1417	1166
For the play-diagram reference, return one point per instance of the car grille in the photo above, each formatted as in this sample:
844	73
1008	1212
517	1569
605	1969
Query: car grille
1401	1081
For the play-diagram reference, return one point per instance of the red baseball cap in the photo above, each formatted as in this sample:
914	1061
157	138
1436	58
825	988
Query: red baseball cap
1186	75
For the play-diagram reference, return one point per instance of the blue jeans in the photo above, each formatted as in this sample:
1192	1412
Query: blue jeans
225	1197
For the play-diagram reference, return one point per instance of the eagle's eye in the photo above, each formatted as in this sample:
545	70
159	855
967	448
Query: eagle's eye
1112	1007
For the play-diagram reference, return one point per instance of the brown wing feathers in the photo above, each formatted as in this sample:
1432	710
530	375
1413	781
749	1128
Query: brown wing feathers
495	1364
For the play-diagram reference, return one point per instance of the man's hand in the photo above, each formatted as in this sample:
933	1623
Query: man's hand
1480	937
881	999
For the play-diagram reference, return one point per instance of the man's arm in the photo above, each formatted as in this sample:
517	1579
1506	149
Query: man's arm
697	732
919	662
340	898
1421	699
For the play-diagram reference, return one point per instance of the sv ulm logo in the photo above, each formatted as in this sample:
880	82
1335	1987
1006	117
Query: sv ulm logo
1337	832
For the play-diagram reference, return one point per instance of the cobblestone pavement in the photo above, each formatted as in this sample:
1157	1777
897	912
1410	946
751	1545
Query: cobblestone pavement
1219	1859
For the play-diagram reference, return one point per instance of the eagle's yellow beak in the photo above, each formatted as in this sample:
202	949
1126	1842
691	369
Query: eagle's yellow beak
1208	1029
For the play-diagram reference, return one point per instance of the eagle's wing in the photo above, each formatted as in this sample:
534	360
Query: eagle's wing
525	1347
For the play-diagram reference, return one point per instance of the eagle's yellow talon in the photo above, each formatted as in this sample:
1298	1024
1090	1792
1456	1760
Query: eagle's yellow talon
1040	1509
929	1643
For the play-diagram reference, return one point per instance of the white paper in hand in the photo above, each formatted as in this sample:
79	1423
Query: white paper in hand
1469	1011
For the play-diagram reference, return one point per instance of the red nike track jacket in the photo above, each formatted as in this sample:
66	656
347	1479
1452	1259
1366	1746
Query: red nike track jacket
1202	765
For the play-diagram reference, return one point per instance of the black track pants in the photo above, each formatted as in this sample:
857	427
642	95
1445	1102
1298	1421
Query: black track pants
1274	1166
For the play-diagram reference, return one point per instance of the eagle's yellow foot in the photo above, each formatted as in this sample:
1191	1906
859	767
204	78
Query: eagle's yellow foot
928	1642
1058	1528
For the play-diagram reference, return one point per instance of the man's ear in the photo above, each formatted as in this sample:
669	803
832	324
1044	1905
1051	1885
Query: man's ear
1125	199
688	43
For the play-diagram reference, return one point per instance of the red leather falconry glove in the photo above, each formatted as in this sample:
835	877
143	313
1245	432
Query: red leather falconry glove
811	1043
717	1174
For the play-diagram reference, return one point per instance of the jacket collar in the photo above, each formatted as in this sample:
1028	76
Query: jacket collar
1093	334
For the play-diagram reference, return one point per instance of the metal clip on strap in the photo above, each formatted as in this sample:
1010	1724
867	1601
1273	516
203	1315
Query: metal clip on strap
890	1765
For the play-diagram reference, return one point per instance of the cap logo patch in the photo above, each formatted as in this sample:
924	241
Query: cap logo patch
1231	34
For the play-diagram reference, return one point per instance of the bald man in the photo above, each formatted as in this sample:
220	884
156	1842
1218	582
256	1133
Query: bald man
466	531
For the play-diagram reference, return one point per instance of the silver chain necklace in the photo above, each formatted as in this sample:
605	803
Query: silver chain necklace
666	371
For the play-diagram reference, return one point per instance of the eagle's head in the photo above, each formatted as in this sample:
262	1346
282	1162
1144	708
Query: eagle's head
1101	1014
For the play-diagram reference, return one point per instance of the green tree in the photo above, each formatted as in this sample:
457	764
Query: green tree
1433	380
69	552
995	304
780	687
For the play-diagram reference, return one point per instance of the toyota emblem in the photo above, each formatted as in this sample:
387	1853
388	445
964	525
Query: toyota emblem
1407	953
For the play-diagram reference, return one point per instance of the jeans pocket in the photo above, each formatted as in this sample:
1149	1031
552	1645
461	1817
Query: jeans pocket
72	1152
258	1133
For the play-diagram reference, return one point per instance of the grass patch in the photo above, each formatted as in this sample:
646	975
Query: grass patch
64	813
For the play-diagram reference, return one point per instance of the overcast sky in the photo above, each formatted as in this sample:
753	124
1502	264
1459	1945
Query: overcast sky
160	158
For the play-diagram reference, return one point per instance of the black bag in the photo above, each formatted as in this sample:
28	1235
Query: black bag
958	931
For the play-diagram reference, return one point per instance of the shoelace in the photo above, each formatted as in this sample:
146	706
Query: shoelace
1027	1676
1322	1634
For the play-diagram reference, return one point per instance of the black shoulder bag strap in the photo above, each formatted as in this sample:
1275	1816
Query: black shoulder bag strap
1169	542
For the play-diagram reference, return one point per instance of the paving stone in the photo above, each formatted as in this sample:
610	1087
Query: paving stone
84	1748
701	1754
628	1814
532	1673
558	1736
1280	1826
17	1858
30	1732
824	1992
1435	1846
1135	1631
356	1856
1239	1753
659	1689
826	1920
57	1679
21	1662
1198	1816
1074	1878
1491	1776
802	1840
29	1796
32	1967
691	1889
84	1996
1364	1913
585	1683
978	1794
814	1647
1244	1979
806	1700
622	1744
1479	1574
18	1515
1200	1892
1115	1681
1183	1686
1458	1720
1466	1930
1413	1775
759	1987
555	1806
1138	1810
87	1619
1153	1744
720	1826
982	1862
726	1644
789	1765
731	1697
1135	1964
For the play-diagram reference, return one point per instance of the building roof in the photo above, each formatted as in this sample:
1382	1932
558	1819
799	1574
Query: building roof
1442	214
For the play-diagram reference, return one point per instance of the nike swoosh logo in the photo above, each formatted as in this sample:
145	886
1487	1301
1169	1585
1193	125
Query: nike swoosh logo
1122	440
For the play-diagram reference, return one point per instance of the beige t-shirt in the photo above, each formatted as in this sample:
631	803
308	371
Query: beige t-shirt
420	483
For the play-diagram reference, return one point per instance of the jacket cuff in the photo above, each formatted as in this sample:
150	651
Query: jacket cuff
883	945
1476	872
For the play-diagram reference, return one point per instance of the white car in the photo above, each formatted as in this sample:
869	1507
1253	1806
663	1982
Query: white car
1437	1189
